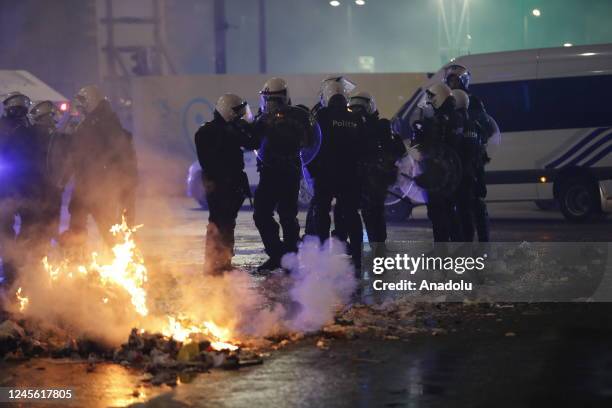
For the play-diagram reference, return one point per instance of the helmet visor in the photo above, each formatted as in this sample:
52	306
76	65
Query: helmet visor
335	86
17	101
360	103
270	102
457	76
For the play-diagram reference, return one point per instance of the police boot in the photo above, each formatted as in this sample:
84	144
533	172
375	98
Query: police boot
269	265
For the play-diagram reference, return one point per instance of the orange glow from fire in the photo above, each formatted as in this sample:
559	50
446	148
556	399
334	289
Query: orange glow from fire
184	331
127	272
23	300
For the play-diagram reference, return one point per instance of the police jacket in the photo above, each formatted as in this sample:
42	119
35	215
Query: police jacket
282	134
470	148
342	147
440	142
56	160
482	125
445	126
219	147
104	153
382	148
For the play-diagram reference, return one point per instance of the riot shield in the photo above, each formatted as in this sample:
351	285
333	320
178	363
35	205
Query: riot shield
405	186
310	151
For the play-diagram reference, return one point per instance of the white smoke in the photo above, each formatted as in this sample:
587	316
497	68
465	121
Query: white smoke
323	281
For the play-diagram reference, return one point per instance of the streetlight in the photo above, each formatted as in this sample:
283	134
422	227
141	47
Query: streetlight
567	44
334	3
536	13
360	2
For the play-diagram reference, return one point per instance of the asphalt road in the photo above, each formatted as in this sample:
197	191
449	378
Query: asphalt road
559	354
510	222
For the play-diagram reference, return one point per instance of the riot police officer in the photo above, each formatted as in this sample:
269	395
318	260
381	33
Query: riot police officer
17	179
382	149
54	159
283	131
458	77
105	169
310	227
220	145
469	152
337	169
439	140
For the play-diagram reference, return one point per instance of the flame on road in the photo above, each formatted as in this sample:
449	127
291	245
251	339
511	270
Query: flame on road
183	330
127	268
23	300
127	273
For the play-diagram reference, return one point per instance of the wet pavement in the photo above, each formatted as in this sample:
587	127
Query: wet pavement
517	356
558	356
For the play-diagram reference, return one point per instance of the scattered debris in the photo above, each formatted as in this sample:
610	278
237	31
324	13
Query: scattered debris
323	344
164	360
11	336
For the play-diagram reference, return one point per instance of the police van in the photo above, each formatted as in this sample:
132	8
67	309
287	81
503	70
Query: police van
34	88
554	109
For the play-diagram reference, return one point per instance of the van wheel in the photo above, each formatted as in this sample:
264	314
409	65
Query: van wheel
578	199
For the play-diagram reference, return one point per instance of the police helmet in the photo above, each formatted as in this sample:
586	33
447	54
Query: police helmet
274	94
437	94
461	74
16	104
44	112
363	100
231	107
335	85
88	98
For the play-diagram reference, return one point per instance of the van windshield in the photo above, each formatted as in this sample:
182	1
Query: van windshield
400	122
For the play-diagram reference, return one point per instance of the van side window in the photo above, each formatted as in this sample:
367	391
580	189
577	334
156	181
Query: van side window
509	103
555	103
574	102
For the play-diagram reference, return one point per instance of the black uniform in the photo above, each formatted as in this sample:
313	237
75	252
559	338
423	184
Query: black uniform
283	134
105	171
469	152
337	172
22	188
444	128
382	150
219	146
56	163
480	121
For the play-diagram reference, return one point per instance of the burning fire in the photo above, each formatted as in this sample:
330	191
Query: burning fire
184	331
127	269
127	272
23	300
